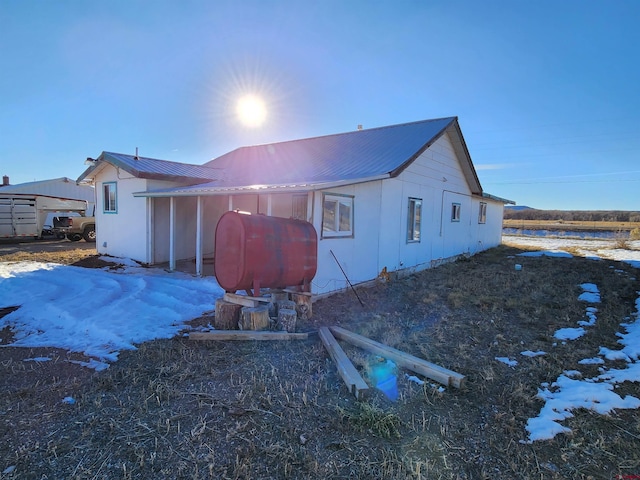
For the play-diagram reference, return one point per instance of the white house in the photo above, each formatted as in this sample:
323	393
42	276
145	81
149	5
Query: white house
403	197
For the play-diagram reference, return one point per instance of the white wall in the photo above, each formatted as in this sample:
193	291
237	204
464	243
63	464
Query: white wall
381	216
124	233
437	179
357	255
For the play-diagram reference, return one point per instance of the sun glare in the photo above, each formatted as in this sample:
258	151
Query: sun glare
251	111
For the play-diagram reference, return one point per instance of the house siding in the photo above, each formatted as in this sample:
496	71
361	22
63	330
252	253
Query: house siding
436	178
381	217
114	231
356	253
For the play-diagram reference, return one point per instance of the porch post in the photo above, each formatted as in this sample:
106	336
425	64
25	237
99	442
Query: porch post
172	233
150	232
199	237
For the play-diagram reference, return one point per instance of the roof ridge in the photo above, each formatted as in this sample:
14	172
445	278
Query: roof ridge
351	132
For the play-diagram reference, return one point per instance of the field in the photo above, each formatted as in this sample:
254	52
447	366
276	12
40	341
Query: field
178	408
571	225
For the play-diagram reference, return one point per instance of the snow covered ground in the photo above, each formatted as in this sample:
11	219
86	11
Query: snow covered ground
590	248
100	312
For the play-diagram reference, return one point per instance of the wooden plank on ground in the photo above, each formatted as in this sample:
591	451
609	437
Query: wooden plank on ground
415	364
245	300
247	335
347	371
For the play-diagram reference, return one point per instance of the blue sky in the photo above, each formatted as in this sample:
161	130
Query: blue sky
547	92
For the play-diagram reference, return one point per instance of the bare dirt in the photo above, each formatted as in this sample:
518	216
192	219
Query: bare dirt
179	408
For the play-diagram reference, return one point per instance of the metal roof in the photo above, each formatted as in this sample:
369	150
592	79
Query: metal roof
152	168
347	156
301	165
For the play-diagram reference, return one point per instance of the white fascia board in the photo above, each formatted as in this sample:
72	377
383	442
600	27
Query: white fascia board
498	199
205	191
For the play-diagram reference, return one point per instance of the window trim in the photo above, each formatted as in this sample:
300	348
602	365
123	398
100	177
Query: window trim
455	211
414	204
338	198
482	213
106	197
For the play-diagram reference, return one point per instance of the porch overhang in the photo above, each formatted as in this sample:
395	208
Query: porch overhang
212	190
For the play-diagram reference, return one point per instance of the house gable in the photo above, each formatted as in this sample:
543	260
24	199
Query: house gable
355	156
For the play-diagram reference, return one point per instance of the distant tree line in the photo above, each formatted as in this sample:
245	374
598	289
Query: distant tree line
573	215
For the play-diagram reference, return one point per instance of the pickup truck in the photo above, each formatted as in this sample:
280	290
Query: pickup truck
75	228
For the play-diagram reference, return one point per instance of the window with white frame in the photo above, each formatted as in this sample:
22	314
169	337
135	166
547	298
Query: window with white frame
109	197
414	219
337	216
455	212
482	213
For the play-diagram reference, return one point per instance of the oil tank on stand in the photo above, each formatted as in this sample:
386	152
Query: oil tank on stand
258	251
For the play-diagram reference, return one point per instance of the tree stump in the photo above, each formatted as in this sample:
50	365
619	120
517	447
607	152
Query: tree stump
286	305
254	318
287	319
303	305
279	296
227	315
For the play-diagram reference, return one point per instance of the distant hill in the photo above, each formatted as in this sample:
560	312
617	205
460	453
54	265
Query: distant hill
517	208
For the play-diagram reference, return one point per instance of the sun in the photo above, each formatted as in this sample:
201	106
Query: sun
251	111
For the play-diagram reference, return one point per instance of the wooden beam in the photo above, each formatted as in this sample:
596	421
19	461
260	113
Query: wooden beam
415	364
246	335
356	385
245	300
291	290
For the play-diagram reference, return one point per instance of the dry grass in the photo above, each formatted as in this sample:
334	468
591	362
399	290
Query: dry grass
67	257
182	409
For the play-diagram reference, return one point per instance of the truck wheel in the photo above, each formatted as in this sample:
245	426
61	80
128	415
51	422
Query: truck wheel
89	233
74	237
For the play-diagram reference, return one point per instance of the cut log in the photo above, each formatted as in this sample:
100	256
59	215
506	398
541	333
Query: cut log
303	305
246	335
286	305
355	383
279	296
254	318
415	364
287	319
227	315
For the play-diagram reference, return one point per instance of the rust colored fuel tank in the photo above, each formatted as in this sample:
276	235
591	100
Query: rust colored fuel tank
257	251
